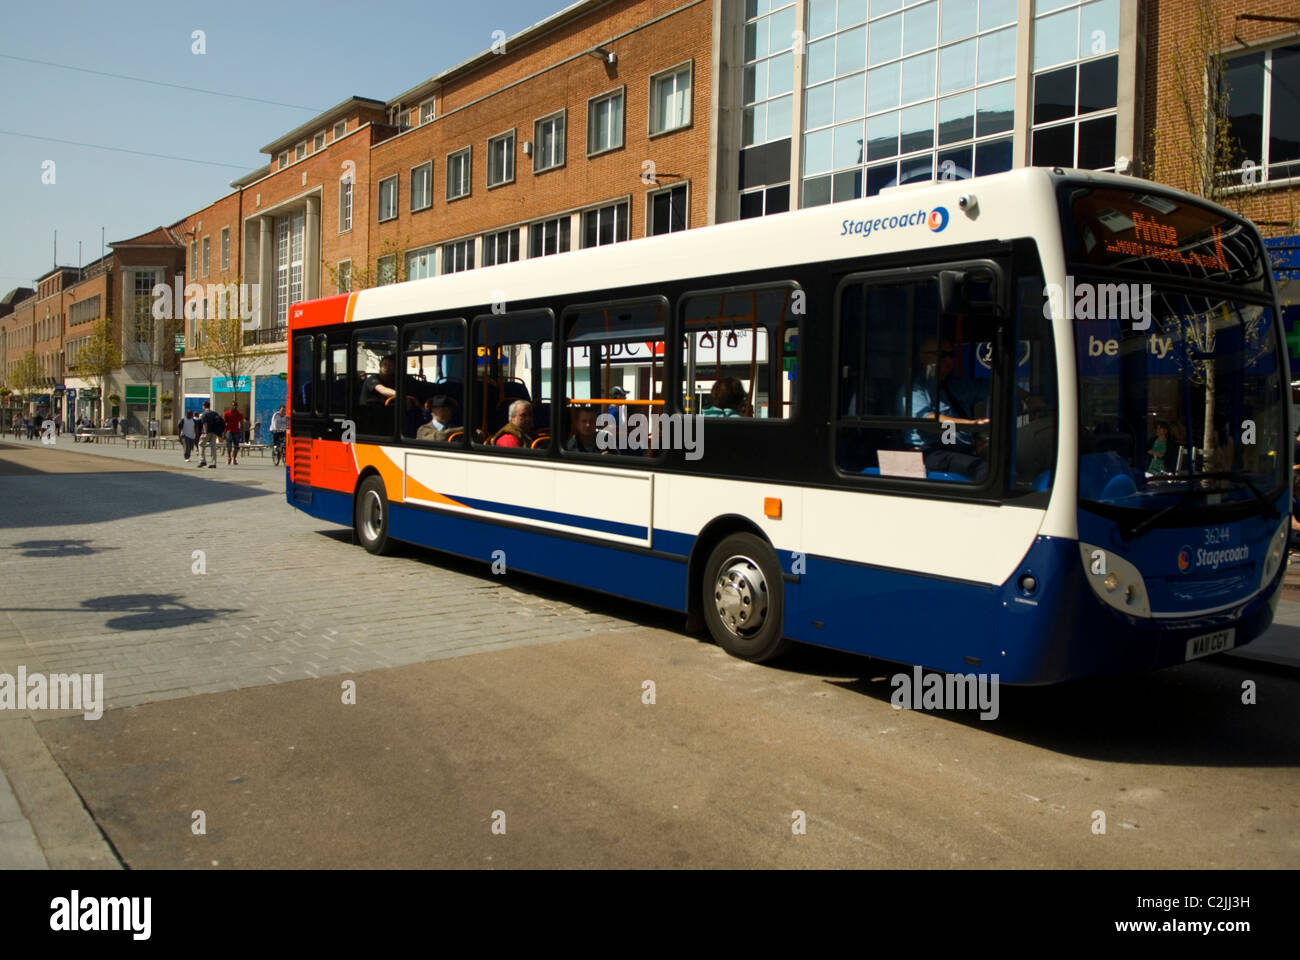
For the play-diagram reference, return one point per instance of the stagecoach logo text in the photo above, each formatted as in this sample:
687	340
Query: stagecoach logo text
1211	558
936	220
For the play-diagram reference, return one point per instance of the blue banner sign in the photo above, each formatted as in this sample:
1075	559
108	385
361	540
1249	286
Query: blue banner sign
227	385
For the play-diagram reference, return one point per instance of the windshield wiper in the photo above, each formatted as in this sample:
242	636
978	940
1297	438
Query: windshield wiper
1267	509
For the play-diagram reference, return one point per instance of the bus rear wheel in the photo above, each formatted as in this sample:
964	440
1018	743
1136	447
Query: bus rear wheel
744	598
370	516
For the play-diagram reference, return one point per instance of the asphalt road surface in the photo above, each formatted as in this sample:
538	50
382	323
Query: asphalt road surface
507	722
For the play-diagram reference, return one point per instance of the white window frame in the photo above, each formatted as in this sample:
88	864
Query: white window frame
379	270
397	196
428	110
563	115
541	225
345	225
649	207
433	255
206	259
318	142
614	204
345	287
300	151
428	193
225	249
194	259
468	179
340	129
492	141
621	93
688	67
490	238
283	160
1268	48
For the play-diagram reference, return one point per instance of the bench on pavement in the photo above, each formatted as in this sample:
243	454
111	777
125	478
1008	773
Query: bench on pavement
92	434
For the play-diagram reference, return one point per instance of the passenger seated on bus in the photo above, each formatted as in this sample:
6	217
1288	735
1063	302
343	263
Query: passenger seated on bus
378	387
727	398
936	394
442	417
518	431
582	430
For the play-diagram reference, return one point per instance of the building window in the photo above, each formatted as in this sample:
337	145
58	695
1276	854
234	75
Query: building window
300	151
283	161
340	128
345	204
549	236
194	259
318	142
667	211
387	199
427	111
501	247
605	122
548	142
386	270
1075	85
899	96
670	100
288	264
225	249
1263	102
458	174
604	225
458	256
765	201
207	258
501	159
141	348
422	186
345	276
768	79
420	263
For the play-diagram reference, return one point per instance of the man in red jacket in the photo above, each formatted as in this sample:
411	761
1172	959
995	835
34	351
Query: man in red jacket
234	430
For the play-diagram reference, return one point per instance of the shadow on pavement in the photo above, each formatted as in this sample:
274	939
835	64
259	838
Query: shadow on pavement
55	500
57	549
144	611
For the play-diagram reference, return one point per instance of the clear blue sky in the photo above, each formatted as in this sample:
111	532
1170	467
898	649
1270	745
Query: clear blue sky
312	54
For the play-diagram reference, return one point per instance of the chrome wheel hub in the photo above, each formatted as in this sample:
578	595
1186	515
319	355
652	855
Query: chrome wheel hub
372	515
740	596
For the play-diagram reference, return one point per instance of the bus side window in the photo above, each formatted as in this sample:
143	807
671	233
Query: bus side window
376	401
738	352
913	397
1035	407
511	354
303	370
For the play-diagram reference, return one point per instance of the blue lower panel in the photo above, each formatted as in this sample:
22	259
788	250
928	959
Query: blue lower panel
1061	632
324	504
623	573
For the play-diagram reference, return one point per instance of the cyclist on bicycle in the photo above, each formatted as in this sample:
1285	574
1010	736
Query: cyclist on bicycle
279	424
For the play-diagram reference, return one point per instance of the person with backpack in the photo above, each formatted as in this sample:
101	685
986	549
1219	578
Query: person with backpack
213	427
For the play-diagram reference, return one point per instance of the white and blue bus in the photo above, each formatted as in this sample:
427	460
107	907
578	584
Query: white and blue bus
1033	424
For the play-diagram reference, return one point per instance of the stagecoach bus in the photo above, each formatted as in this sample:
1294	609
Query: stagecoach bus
1032	425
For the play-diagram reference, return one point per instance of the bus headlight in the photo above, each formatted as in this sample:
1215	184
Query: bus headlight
1276	553
1114	580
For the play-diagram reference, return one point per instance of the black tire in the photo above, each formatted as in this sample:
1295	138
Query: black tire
370	516
744	598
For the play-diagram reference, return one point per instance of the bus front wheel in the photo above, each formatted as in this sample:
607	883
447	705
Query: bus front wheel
744	596
370	516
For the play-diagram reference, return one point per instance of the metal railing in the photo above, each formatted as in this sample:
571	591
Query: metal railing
254	338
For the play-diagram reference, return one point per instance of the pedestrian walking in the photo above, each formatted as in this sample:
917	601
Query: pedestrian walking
188	434
153	431
234	430
213	427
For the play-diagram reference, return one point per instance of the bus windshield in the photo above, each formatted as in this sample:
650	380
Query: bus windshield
1180	379
1193	404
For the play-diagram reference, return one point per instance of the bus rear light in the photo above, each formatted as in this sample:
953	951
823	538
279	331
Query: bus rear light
772	507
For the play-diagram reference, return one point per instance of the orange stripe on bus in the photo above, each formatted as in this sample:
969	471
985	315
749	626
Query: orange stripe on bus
368	455
418	491
352	305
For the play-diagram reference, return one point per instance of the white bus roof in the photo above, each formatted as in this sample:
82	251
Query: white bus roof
1019	203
